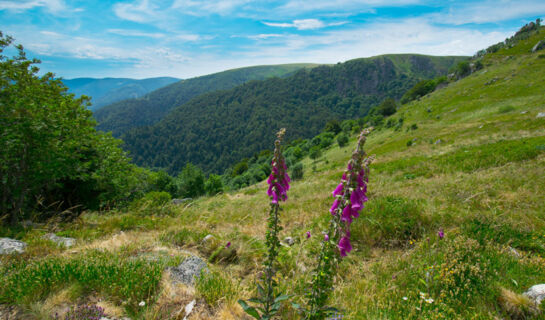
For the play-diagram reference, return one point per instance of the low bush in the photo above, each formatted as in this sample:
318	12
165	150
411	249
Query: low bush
215	288
120	279
390	222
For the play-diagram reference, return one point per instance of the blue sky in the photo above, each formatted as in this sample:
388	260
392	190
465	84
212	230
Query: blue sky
187	38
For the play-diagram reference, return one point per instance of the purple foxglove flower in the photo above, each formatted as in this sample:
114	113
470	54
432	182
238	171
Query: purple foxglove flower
274	198
334	207
347	215
228	245
344	245
339	190
355	200
308	234
441	234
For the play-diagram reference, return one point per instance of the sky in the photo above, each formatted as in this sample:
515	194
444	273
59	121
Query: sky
188	38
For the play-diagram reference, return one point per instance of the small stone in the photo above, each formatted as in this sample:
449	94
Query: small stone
541	115
207	238
289	241
142	303
188	308
536	293
539	46
180	201
60	241
524	112
189	270
514	252
8	246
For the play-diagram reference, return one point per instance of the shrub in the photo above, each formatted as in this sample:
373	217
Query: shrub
333	126
213	185
387	107
325	142
123	280
157	198
342	140
296	172
183	237
505	109
240	168
315	153
214	288
390	222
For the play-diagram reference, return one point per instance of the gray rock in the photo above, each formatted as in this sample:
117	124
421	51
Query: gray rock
289	241
207	238
189	270
540	45
180	201
541	115
514	252
60	241
524	112
536	293
8	246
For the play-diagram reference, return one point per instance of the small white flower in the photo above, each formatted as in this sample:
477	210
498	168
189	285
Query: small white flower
405	298
142	303
430	300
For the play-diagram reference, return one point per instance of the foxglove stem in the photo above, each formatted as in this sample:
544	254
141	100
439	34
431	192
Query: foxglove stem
278	186
350	196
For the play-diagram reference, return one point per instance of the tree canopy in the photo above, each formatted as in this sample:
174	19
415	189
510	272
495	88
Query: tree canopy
51	156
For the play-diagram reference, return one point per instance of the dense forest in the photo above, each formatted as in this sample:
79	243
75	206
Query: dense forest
124	115
217	129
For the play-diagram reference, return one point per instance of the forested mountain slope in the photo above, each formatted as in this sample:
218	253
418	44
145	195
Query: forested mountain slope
109	90
217	129
124	115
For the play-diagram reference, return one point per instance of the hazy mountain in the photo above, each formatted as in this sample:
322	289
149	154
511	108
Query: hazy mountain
109	90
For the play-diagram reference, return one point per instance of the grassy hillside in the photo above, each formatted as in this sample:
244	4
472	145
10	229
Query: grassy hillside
474	166
216	130
124	115
110	90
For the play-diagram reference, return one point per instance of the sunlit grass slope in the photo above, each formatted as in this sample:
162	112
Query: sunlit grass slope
474	166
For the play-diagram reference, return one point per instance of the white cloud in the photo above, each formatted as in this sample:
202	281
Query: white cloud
22	5
206	7
188	37
304	24
138	11
136	33
404	36
298	6
264	36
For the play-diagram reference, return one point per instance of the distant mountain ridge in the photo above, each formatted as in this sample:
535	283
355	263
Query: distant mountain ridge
125	115
217	129
110	90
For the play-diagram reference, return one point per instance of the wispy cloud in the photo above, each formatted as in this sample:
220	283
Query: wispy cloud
264	36
206	7
136	33
138	11
298	6
304	24
22	5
